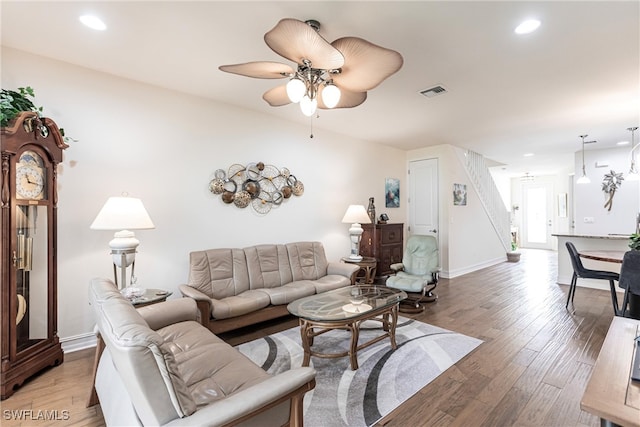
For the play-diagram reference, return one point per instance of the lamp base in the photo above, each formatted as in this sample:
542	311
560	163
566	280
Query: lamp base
123	252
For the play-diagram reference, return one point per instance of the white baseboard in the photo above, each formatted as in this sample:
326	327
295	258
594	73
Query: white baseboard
78	342
588	283
450	274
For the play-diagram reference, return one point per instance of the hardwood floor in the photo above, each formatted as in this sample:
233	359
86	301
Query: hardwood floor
531	369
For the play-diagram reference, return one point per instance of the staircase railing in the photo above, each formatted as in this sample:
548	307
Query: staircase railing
489	196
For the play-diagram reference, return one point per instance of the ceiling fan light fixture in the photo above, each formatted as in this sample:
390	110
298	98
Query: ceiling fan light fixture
331	95
308	106
296	89
328	75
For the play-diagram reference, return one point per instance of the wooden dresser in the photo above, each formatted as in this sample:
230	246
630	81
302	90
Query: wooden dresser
384	242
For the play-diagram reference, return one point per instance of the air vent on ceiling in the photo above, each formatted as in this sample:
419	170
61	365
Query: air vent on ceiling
433	91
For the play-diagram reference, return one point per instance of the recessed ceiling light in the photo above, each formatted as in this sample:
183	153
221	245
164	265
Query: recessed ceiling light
622	143
528	155
93	22
528	26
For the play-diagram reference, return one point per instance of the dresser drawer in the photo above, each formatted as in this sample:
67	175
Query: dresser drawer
391	234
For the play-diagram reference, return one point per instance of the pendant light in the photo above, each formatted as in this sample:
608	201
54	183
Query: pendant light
583	179
633	170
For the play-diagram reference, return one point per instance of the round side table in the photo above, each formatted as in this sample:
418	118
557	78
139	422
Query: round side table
366	264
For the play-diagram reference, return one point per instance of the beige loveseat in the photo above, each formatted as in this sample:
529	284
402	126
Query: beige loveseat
162	367
240	287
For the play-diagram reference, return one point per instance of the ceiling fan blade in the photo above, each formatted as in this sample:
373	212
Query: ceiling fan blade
259	69
297	41
348	99
277	96
366	65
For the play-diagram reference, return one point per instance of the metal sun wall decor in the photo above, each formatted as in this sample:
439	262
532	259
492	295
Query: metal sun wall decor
256	184
611	182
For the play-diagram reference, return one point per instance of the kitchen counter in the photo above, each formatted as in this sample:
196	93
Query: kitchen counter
586	242
591	236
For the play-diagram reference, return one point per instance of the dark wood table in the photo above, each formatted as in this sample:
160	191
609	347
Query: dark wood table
366	264
606	256
615	257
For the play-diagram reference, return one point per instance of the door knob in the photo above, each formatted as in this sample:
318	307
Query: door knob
433	231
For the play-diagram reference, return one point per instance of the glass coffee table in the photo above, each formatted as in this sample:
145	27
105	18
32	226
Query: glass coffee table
346	309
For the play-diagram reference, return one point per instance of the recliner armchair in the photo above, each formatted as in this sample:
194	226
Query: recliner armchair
160	366
418	273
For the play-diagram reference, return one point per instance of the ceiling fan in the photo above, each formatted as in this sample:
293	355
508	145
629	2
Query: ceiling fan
327	75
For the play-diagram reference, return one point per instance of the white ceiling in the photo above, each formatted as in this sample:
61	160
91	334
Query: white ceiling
508	94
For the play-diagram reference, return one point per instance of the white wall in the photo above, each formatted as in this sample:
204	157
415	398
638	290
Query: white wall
560	184
164	147
590	199
467	239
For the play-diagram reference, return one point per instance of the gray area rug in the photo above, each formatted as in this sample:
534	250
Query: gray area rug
385	379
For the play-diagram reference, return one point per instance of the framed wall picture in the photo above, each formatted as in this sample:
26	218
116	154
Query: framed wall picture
392	193
460	194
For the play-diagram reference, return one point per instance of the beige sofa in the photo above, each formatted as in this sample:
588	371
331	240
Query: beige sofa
162	367
238	287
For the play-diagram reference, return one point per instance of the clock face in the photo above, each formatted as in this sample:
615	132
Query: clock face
30	177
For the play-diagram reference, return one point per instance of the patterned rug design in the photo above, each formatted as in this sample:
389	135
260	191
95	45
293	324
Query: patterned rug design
385	379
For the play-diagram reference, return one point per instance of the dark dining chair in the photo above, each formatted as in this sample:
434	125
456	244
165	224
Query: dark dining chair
579	271
629	279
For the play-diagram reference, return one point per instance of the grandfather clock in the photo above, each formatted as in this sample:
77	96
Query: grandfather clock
31	148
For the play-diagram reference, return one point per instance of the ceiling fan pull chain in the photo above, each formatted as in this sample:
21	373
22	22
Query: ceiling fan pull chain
311	125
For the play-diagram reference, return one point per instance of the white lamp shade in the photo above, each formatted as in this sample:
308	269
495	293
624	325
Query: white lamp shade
331	95
356	214
295	90
308	105
583	180
122	213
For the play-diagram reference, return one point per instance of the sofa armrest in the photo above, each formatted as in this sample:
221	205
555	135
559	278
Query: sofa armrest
251	401
202	300
342	269
169	312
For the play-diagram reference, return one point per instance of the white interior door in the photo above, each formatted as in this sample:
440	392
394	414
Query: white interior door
423	197
537	215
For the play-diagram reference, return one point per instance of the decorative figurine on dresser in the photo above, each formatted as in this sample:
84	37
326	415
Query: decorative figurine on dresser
31	148
384	242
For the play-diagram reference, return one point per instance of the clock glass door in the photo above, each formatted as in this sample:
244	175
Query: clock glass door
31	262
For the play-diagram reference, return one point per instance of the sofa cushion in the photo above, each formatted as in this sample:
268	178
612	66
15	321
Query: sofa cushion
246	302
219	273
210	368
330	282
268	266
307	259
290	292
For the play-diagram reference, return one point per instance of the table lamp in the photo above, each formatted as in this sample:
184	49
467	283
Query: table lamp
123	214
356	215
